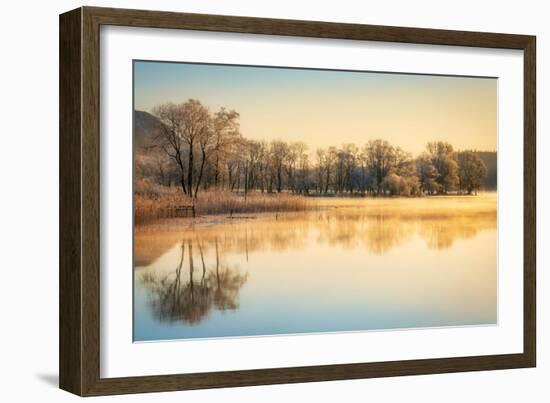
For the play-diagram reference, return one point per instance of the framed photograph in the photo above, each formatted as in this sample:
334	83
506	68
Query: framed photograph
249	201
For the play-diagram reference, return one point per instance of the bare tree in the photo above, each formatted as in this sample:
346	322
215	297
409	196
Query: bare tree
170	137
427	174
379	155
303	167
330	162
290	161
444	160
185	126
278	151
321	156
350	160
226	134
471	172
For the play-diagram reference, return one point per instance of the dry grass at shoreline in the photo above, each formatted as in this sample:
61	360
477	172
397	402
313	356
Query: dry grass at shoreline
152	200
230	203
156	201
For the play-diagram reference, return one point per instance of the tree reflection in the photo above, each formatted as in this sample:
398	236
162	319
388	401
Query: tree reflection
378	229
173	298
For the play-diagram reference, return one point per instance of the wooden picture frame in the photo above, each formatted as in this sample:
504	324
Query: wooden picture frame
79	348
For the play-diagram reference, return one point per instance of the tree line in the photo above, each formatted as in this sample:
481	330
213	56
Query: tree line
197	150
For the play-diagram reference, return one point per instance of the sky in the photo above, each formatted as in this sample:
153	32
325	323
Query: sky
325	107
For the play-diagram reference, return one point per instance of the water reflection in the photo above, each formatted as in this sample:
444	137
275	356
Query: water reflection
173	298
377	265
378	232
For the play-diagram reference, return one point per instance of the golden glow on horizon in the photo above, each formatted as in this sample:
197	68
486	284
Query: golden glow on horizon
467	119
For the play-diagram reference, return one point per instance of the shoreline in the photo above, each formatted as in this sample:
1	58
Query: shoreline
386	206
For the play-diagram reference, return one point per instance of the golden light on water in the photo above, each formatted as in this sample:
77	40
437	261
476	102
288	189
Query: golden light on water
374	263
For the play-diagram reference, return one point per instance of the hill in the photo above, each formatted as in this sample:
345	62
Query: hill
146	127
490	160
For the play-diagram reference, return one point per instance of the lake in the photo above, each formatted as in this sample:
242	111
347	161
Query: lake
350	264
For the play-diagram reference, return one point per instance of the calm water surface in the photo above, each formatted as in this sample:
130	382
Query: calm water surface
354	264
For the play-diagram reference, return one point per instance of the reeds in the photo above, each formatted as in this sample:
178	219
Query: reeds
153	200
216	202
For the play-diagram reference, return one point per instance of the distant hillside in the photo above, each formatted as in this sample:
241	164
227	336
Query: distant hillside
490	160
146	128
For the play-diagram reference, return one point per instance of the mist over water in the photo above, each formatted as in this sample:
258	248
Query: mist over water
348	265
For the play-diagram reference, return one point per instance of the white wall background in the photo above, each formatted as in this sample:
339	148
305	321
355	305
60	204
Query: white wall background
29	198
